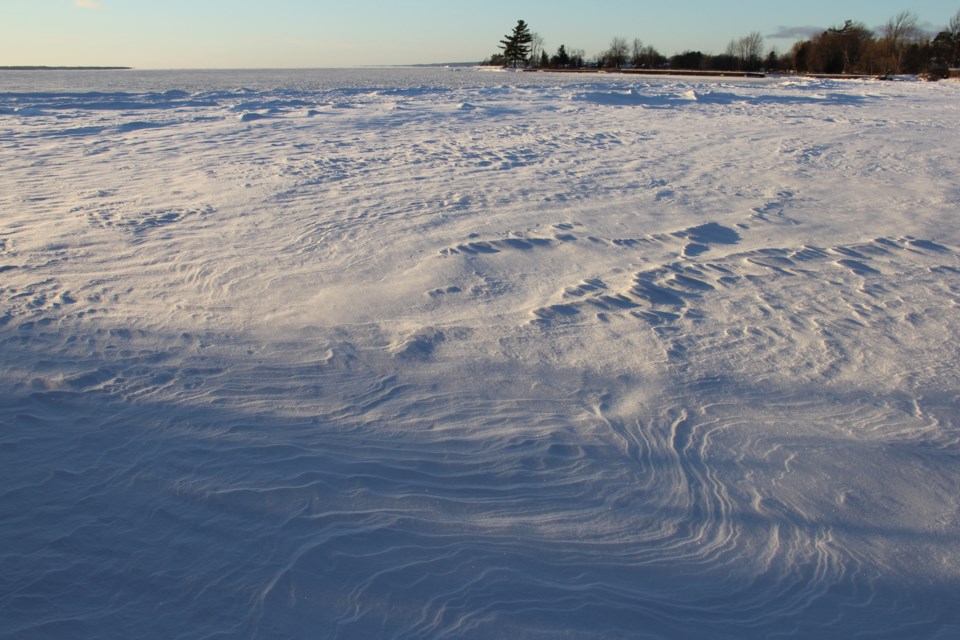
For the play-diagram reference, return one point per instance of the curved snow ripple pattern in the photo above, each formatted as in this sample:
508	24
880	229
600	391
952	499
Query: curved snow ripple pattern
277	376
395	511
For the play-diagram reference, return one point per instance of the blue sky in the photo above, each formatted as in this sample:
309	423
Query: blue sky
321	33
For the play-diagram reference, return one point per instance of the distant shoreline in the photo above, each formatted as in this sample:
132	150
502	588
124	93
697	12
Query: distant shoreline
654	72
41	68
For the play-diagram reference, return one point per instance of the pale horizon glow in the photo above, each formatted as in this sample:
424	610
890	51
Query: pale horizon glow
302	34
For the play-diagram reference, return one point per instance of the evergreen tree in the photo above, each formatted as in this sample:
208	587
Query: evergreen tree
516	45
561	59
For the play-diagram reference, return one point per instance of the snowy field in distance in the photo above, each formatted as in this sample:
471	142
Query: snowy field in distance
449	354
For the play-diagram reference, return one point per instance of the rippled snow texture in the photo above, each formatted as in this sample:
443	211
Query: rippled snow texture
450	354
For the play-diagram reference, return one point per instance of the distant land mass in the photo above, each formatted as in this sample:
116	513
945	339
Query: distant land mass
40	68
443	64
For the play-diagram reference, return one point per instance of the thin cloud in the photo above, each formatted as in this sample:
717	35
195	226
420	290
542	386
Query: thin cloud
929	29
792	33
87	4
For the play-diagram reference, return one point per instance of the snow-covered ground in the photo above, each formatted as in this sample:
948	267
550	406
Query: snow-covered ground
447	354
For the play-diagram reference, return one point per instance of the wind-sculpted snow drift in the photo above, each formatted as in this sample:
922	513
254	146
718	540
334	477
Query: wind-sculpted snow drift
446	354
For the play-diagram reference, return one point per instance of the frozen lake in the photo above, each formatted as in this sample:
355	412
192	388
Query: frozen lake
442	353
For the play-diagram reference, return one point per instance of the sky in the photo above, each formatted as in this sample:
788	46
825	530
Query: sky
210	34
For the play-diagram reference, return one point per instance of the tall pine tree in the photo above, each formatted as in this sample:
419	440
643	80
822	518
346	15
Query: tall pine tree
516	45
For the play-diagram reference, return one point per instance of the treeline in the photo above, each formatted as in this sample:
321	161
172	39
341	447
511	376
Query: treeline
898	47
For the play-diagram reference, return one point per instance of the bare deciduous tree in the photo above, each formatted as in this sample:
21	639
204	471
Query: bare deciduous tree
537	47
644	56
616	55
897	35
636	52
747	51
900	28
577	57
953	27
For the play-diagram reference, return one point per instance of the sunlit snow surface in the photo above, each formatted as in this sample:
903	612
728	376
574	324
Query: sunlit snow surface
451	354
